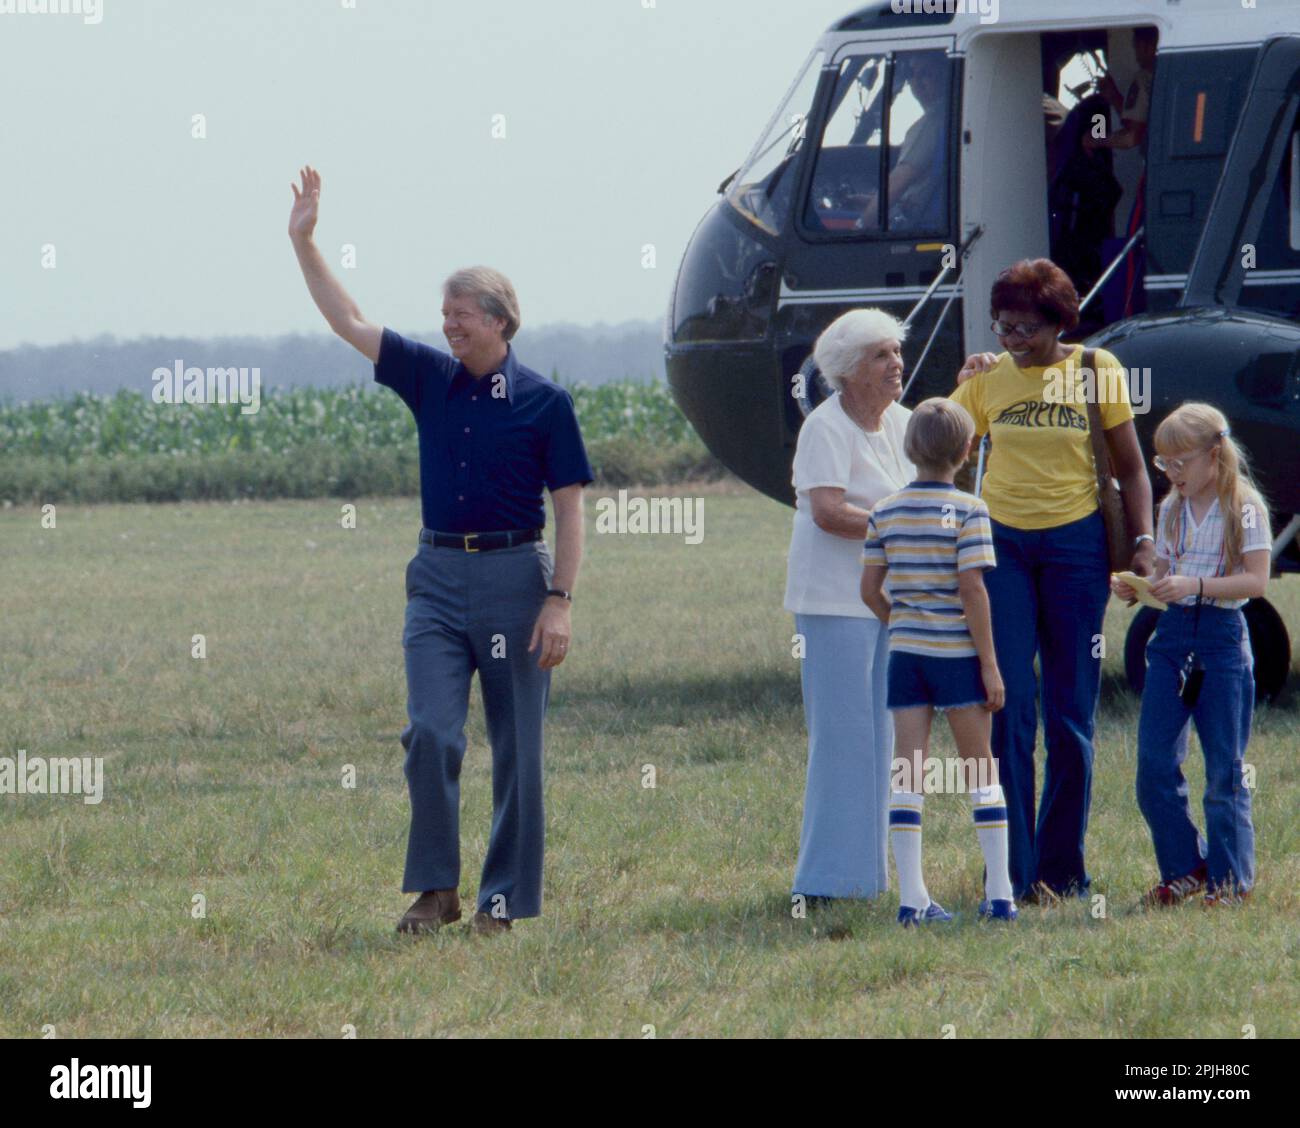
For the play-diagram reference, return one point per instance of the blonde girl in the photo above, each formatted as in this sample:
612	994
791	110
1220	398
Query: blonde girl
1212	555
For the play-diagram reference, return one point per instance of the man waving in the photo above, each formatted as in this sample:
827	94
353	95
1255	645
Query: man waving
482	591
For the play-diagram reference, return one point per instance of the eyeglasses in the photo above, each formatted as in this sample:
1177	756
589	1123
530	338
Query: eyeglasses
1175	465
1020	329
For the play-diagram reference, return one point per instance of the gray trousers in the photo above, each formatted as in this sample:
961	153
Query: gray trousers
468	611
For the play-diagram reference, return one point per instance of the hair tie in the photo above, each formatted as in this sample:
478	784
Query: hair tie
1225	432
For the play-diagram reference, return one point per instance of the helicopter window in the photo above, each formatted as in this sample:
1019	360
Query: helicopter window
762	190
907	97
848	166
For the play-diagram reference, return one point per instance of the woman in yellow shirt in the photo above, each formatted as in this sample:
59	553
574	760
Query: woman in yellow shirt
1048	592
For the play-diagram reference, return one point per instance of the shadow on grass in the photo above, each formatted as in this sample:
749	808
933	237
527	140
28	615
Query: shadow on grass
1115	690
680	700
761	920
766	921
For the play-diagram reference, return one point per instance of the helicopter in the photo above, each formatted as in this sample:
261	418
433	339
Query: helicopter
1185	250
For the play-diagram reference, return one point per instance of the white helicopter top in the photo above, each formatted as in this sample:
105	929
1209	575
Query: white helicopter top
1183	24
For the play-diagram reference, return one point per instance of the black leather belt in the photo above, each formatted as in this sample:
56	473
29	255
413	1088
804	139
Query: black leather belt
479	542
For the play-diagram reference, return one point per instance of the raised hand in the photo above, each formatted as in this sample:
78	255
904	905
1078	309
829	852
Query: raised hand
975	364
306	204
330	297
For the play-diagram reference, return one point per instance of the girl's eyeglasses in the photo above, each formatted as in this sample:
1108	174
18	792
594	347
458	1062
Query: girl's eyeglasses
1175	465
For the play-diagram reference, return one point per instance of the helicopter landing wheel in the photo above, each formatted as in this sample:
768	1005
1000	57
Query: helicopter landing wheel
1268	640
815	388
1272	647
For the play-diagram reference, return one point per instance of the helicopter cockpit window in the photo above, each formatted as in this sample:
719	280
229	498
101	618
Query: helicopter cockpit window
762	190
865	182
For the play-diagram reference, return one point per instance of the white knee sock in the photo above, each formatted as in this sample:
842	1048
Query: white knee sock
905	838
990	812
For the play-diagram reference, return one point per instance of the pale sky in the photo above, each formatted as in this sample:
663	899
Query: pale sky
620	120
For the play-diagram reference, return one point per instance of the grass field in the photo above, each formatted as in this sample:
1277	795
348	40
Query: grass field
666	907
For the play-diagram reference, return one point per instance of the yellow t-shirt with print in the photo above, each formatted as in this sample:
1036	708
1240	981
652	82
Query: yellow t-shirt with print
1040	472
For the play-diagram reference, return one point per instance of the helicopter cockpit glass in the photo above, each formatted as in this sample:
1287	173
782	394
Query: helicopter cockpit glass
863	185
763	189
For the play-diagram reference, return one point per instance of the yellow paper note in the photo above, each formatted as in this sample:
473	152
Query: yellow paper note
1142	586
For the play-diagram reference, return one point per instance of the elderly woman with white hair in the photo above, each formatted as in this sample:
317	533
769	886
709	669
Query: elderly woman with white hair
849	457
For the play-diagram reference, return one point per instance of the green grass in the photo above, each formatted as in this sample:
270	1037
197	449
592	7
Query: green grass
665	907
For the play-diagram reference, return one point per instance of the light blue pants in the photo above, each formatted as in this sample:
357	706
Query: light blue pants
843	845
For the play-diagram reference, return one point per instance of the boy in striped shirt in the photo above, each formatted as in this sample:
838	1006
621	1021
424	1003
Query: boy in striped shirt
934	541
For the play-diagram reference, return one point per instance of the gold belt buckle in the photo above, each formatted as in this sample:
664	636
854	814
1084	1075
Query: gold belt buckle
469	537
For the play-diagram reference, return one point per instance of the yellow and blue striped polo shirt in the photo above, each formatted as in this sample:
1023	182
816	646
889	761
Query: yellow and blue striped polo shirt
925	534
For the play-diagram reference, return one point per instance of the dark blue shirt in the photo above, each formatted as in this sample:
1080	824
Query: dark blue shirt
488	446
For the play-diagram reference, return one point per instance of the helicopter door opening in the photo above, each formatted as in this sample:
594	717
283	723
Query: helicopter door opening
1098	89
1034	106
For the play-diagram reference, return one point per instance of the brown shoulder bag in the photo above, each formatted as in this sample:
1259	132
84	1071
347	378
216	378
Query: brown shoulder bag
1118	543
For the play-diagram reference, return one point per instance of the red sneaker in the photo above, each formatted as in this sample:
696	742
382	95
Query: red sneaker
1175	892
1225	896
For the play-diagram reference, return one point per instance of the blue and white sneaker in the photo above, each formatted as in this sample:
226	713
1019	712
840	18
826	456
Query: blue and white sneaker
909	917
998	910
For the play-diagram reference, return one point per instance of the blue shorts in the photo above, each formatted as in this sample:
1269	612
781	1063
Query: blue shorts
923	679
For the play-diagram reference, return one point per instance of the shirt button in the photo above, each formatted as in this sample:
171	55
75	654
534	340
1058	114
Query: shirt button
462	465
461	497
467	430
474	398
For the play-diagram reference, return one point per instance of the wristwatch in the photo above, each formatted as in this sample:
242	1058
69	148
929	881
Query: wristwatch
561	593
1137	540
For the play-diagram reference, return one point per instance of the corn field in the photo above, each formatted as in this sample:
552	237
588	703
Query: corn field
349	418
304	442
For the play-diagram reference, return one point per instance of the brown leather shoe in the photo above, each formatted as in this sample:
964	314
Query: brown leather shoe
485	924
432	909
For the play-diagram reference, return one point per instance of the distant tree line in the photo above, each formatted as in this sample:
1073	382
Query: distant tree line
596	355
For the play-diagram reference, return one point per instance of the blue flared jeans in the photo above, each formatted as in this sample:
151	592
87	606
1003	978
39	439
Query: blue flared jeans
1048	598
1222	713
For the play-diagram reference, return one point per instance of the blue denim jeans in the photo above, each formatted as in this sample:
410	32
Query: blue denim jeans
1223	714
1048	597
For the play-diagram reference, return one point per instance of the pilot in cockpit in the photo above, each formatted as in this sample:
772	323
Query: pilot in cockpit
916	181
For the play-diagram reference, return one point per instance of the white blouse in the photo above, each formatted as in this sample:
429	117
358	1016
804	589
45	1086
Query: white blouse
824	572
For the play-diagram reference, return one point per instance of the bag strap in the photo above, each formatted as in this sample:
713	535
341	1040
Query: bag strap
1100	455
